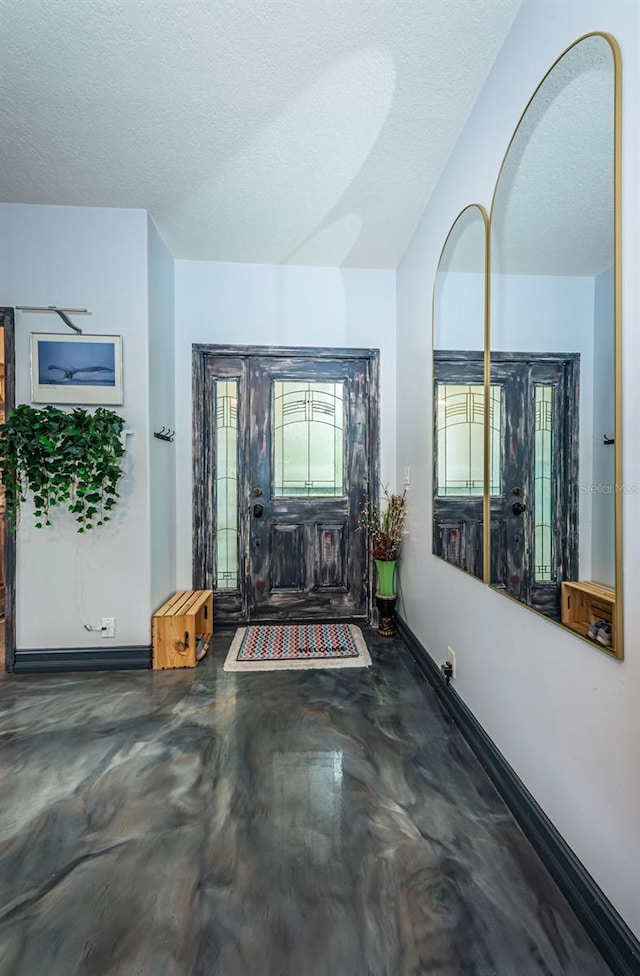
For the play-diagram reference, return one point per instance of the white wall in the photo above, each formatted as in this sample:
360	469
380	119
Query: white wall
603	481
93	258
162	455
565	715
459	311
282	306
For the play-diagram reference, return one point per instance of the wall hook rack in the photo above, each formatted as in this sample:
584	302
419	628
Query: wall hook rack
165	434
608	440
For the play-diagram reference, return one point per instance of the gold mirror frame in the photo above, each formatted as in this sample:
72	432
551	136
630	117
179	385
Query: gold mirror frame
617	643
483	351
617	650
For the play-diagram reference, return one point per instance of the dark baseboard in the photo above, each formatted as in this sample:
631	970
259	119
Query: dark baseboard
614	939
60	659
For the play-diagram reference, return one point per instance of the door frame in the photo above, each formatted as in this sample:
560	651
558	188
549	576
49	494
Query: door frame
8	321
203	465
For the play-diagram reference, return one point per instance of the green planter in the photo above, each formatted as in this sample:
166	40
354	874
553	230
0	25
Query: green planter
386	576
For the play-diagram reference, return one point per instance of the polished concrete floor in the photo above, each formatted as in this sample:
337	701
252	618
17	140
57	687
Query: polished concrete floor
309	823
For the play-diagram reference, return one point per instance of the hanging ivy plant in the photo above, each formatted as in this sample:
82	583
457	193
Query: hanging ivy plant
59	457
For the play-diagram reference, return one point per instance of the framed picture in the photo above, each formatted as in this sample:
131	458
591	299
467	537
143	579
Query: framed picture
76	368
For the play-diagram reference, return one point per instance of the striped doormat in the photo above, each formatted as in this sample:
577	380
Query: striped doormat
276	647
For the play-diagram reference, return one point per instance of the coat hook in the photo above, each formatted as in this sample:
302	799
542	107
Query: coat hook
166	434
608	440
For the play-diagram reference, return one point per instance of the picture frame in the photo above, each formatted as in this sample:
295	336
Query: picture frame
78	369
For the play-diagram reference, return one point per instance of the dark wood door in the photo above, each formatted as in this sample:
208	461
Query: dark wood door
534	507
285	455
533	471
458	495
306	485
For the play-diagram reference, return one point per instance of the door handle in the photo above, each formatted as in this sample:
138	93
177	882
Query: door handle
518	508
258	510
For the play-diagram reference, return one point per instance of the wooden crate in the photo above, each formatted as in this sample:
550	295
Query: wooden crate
583	603
182	629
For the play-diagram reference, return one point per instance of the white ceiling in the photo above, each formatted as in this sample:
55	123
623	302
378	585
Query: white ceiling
304	131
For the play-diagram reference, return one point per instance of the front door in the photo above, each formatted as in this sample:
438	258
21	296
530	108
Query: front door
288	456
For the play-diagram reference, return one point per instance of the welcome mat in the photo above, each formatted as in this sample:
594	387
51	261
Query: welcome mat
276	647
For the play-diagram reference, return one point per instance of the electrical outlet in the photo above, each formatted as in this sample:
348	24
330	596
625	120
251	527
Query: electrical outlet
108	628
407	476
451	659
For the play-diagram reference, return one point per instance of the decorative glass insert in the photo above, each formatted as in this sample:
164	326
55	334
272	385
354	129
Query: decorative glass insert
543	499
460	439
226	480
308	439
495	440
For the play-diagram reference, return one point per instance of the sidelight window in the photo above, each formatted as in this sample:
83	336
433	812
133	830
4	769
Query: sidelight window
226	484
543	501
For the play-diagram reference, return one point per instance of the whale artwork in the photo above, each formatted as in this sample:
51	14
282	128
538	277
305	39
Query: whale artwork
85	363
76	368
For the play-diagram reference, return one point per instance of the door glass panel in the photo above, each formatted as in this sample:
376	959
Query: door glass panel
460	439
543	501
308	439
226	485
495	439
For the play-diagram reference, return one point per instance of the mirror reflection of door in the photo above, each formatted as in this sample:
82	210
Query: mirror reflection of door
533	463
291	444
458	474
458	412
534	491
554	281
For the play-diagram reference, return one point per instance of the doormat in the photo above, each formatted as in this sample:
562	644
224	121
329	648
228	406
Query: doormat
277	647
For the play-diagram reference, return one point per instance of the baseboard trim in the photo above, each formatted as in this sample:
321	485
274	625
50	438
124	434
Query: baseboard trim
61	659
613	938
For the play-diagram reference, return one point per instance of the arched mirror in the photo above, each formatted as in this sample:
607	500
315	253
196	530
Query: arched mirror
459	303
555	507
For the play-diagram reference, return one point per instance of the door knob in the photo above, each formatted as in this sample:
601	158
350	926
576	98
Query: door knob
518	508
257	492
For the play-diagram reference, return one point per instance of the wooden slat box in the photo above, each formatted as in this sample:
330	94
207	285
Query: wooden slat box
182	629
583	603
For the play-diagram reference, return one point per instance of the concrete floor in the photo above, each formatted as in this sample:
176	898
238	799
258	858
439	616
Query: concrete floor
295	823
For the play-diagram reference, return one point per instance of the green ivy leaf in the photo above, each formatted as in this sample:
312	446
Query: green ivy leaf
61	456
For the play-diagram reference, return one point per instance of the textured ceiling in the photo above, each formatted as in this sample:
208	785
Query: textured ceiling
304	131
